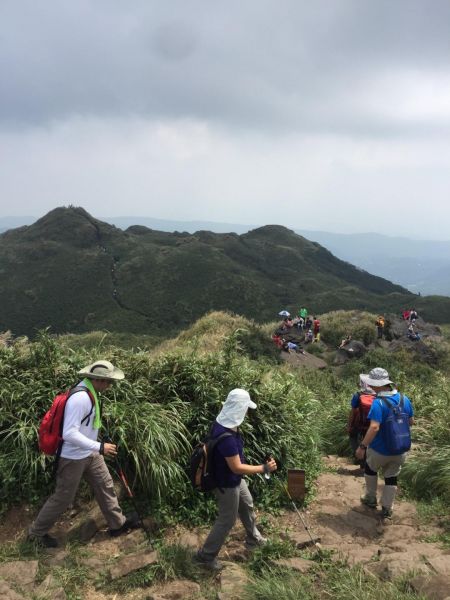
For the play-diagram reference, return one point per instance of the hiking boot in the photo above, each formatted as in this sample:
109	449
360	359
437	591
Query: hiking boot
386	513
126	528
252	544
44	541
369	501
211	565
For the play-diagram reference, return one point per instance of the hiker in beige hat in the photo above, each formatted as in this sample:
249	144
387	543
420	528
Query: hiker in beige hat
81	455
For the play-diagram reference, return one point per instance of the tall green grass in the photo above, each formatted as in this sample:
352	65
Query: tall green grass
171	396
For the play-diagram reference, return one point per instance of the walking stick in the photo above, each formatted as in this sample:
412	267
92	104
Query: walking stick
123	480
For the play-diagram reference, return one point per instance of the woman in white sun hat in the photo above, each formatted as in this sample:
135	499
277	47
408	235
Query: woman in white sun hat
232	494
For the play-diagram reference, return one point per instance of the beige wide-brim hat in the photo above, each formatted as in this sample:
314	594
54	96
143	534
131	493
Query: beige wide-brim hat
102	369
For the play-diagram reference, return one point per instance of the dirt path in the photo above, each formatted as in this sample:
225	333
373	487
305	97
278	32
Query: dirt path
387	548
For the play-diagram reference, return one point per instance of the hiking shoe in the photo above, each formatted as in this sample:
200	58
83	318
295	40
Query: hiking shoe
211	565
44	541
252	544
386	513
369	501
126	528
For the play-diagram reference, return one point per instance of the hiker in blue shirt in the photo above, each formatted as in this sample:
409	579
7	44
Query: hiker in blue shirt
377	443
232	494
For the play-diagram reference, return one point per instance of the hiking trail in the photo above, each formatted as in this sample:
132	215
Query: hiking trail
386	550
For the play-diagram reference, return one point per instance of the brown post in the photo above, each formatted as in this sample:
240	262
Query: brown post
296	484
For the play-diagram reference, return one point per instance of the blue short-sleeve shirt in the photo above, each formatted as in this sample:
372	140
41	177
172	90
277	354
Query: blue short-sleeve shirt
355	400
379	412
229	446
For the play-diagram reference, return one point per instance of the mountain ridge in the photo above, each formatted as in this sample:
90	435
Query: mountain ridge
75	273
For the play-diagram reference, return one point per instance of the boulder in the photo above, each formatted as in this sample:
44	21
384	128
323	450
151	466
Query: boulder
51	589
354	349
233	580
176	590
303	539
20	572
7	593
434	587
88	527
132	562
302	565
396	564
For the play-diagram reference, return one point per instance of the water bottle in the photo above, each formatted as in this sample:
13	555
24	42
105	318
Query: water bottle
266	459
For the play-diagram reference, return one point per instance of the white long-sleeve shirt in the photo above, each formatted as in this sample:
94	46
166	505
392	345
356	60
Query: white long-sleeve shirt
80	439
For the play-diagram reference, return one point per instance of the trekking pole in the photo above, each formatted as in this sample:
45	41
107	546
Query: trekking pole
121	475
307	528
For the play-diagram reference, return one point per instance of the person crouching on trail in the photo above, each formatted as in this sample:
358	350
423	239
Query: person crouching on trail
386	441
232	494
82	456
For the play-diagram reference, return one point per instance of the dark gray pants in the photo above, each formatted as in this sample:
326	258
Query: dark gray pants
68	477
231	503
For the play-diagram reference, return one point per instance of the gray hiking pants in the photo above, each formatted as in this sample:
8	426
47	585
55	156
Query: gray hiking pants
231	503
68	477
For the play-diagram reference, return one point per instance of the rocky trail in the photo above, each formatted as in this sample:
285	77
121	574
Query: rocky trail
345	529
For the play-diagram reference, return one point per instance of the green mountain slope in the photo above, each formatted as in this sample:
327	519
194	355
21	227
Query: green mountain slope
75	273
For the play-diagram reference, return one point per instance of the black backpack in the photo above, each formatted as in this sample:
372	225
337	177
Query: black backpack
202	465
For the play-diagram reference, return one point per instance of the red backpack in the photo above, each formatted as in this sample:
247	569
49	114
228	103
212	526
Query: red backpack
52	425
364	406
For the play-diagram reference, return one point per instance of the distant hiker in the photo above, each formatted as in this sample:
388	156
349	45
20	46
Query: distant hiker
232	494
300	323
413	316
308	323
309	336
412	333
386	441
316	329
358	421
380	322
82	456
345	341
406	314
303	313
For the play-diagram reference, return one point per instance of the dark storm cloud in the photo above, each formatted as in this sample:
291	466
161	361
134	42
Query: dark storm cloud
267	65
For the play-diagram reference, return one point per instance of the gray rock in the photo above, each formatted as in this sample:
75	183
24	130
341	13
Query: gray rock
86	530
233	580
51	589
7	593
55	557
296	564
189	540
177	590
441	564
434	587
396	564
132	540
132	562
20	572
302	539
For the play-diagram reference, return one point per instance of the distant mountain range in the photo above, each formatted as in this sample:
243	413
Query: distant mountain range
421	266
75	273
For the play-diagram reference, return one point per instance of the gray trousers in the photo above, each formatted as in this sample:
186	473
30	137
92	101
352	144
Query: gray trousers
68	477
231	503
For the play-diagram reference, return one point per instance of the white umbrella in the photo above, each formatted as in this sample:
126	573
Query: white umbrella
284	313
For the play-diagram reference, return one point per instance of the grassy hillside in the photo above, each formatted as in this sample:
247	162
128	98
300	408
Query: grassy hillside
75	273
171	394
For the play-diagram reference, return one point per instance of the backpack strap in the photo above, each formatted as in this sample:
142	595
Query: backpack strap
82	388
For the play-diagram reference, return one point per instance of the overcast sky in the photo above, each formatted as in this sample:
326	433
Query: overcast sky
332	114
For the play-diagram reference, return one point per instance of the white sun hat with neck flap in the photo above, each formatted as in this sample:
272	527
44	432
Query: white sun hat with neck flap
235	408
